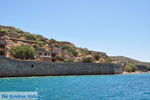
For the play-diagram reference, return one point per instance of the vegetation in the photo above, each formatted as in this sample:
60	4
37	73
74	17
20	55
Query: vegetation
39	43
70	50
2	30
22	52
68	60
50	45
59	58
148	68
85	51
130	67
52	41
87	60
108	60
30	36
96	57
15	29
40	38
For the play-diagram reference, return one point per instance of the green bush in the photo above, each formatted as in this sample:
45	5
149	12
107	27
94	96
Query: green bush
52	41
108	60
5	31
130	67
70	50
85	51
148	68
15	29
29	36
87	60
40	44
96	57
59	58
50	45
22	52
40	38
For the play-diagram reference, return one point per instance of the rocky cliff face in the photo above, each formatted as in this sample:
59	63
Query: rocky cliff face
16	37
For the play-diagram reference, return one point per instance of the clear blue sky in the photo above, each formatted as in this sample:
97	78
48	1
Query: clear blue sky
117	27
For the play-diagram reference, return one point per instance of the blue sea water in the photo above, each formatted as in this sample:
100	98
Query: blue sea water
98	87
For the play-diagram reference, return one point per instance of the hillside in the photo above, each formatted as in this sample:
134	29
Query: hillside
126	60
51	50
64	51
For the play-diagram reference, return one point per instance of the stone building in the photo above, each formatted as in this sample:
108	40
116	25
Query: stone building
43	55
59	52
52	55
49	56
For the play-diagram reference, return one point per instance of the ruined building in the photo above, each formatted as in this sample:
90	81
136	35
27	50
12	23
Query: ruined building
52	55
43	55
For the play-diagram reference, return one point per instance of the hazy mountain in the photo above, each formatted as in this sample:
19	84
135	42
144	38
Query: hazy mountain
126	60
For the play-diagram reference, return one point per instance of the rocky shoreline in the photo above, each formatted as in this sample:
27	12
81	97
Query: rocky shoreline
136	72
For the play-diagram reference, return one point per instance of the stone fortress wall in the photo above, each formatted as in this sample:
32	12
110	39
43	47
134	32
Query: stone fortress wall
13	68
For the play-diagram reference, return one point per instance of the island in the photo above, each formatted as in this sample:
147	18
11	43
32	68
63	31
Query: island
26	54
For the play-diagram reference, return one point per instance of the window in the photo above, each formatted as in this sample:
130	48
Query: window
2	46
53	54
45	54
32	66
2	53
40	53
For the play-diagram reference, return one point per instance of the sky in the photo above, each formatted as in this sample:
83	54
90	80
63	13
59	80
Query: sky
117	27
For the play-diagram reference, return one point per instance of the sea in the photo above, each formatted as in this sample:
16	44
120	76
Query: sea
92	87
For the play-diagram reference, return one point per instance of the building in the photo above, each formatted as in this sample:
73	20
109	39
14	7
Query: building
59	52
43	55
52	55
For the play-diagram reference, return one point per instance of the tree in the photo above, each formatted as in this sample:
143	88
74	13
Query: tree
108	60
22	52
130	67
29	36
53	41
70	50
87	60
86	51
4	31
96	57
148	68
59	58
